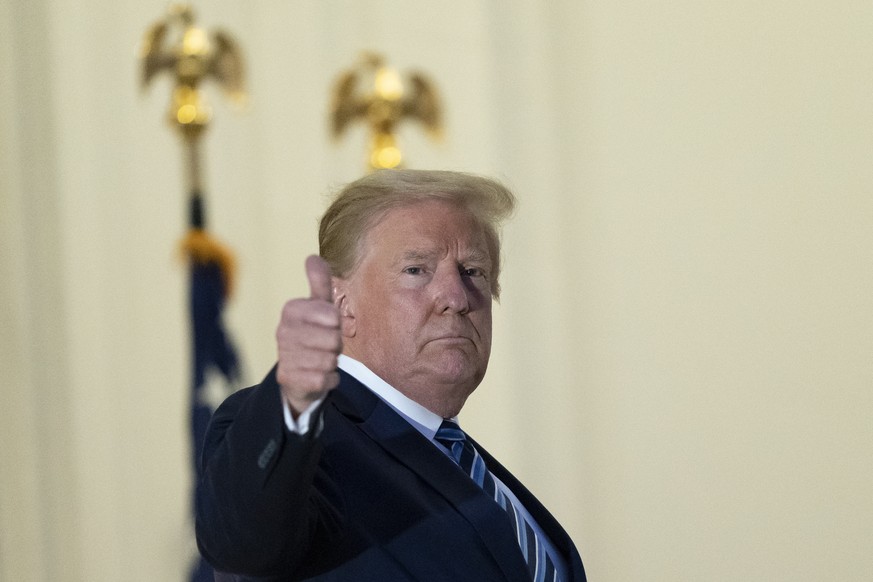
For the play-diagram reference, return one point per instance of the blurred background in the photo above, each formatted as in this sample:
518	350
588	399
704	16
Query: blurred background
682	368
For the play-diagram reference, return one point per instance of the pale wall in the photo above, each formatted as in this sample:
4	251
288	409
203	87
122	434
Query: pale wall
682	367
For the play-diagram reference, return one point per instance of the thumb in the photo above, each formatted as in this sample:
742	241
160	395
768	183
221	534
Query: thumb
318	273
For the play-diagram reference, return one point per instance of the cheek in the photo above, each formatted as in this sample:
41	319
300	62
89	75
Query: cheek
484	325
409	304
485	334
396	316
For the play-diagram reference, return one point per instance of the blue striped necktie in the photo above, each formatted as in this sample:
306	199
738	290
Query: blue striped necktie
465	454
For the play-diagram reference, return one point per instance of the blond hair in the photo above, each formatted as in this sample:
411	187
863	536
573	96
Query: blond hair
362	203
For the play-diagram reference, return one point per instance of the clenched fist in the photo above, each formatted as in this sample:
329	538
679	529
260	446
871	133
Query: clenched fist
309	339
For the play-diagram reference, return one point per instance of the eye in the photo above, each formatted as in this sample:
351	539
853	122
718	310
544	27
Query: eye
413	270
472	272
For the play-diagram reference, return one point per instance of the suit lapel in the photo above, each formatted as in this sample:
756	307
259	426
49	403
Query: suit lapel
562	541
410	448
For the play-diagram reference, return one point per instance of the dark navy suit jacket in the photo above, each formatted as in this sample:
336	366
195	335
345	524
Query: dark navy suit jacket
367	499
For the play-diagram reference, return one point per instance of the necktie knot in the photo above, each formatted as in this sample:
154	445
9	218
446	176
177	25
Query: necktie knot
452	437
467	457
450	431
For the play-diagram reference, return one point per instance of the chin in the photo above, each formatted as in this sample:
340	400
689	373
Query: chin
448	401
462	383
459	366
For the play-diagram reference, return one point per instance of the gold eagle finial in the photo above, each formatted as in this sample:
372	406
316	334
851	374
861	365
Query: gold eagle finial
192	56
379	95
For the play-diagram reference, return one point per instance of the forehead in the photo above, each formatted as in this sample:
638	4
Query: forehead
426	226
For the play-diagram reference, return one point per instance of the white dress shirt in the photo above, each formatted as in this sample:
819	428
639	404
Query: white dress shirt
425	422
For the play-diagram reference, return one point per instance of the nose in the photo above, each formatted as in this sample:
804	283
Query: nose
450	291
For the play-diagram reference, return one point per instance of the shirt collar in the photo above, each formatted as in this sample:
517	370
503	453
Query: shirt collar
425	421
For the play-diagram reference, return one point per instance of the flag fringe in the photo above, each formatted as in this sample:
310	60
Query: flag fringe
200	247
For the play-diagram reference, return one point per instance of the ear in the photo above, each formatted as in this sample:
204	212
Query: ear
343	302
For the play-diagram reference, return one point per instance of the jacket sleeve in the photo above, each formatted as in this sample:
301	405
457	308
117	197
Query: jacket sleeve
257	510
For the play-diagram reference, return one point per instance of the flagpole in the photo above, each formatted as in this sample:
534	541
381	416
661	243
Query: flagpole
194	56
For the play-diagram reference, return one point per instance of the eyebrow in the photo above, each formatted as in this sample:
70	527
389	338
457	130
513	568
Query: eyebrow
415	255
479	256
475	255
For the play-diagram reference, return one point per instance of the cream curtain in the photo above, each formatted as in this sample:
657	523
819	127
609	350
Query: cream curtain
682	366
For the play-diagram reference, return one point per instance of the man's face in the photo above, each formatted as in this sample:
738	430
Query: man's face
417	309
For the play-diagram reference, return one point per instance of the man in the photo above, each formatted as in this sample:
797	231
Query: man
346	463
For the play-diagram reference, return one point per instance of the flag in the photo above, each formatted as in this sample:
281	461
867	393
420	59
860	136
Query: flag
215	370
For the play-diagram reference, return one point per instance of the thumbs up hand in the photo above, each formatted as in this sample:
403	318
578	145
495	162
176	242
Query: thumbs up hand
309	339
